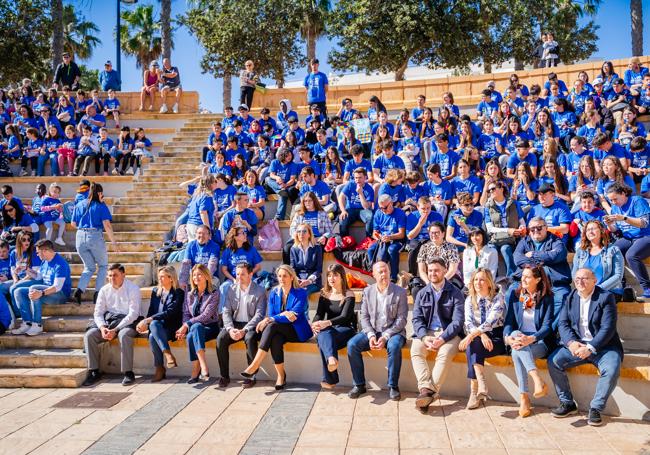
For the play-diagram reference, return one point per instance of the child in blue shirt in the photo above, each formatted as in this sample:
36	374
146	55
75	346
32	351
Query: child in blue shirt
106	144
639	158
52	144
52	213
32	151
490	144
487	108
112	107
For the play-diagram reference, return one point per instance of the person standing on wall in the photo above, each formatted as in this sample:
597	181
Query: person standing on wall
316	85
247	80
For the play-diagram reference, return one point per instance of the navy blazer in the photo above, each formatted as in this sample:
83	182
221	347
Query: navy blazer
451	311
552	255
172	310
602	321
543	318
309	264
296	302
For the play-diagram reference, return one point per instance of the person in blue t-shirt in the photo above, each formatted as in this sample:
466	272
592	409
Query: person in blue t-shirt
443	156
384	162
612	171
487	108
283	176
417	230
630	217
639	158
201	250
393	187
645	187
588	211
389	231
413	191
92	119
212	145
309	182
633	76
356	202
356	161
319	148
316	85
438	190
465	182
603	147
522	148
240	216
553	79
112	107
591	128
490	143
628	127
54	288
462	220
238	249
555	213
566	121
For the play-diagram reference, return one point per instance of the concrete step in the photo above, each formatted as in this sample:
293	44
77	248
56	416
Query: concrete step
131	268
158	186
151	236
123	257
42	358
172	166
65	323
168	177
46	340
141	201
139	279
151	217
142	209
632	324
176	158
174	191
42	377
172	170
69	309
142	226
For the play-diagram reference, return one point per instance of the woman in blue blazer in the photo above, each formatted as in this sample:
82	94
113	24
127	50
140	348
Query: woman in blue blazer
306	258
286	322
528	330
163	319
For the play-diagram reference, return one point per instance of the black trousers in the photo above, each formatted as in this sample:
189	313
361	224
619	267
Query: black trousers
33	161
246	96
413	249
274	336
224	340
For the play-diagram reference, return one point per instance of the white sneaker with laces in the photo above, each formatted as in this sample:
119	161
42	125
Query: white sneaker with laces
175	108
59	242
164	109
36	329
23	329
23	173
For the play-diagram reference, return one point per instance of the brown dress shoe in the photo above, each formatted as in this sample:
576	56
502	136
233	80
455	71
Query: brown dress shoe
425	398
248	383
159	374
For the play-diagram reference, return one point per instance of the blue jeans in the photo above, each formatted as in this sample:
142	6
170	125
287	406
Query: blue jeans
158	341
635	251
330	340
5	289
354	215
14	288
283	196
508	251
360	343
42	161
389	254
608	362
92	250
32	310
198	335
524	360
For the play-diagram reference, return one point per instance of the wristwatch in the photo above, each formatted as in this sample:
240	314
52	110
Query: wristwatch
625	218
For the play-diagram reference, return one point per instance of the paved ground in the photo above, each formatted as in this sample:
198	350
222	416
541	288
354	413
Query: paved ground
172	417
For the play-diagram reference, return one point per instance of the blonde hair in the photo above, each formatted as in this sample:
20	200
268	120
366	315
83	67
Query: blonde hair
206	273
310	241
493	290
393	175
171	273
291	272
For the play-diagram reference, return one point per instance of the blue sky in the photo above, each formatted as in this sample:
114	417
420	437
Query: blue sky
614	42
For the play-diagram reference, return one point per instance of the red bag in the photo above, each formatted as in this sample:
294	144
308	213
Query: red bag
348	243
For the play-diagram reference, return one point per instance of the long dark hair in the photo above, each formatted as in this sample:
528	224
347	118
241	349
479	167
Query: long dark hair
543	287
231	240
6	219
380	105
93	194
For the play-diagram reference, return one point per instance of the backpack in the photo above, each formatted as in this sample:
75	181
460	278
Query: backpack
68	210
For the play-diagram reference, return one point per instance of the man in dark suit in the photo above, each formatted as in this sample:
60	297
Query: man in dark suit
438	315
244	306
384	311
588	331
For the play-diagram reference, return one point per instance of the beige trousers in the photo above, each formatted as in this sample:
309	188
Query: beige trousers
432	378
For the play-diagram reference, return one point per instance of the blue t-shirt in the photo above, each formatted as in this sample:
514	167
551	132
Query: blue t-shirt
311	218
640	159
635	207
396	192
596	214
413	219
5	268
475	219
488	144
199	203
595	264
315	84
315	165
470	185
514	160
57	268
414	193
554	215
573	184
387	224
604	183
213	138
112	103
320	189
511	140
353	201
13	261
446	161
230	258
485	108
502	209
50	215
106	144
224	198
285	171
645	184
560	85
567	118
588	133
616	150
319	149
201	254
385	164
443	189
216	170
522	197
572	161
92	217
255	194
351	165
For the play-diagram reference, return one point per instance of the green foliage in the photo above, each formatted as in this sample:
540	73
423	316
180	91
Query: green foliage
232	31
140	35
89	78
24	39
78	34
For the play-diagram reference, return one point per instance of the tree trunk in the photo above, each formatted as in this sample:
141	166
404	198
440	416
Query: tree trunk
399	74
519	65
487	67
166	27
636	15
311	47
227	90
57	32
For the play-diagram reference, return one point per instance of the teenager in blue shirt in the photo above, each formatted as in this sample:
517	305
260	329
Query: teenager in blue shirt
490	144
356	202
619	97
630	216
447	159
417	229
487	108
633	76
32	151
612	171
522	154
356	161
202	250
240	215
211	144
316	85
389	231
555	213
112	107
393	187
553	79
238	249
566	121
572	159
309	182
52	144
513	134
604	147
462	220
643	98
387	160
266	119
244	118
628	127
543	128
282	178
639	158
579	95
585	179
438	190
524	187
201	208
464	182
587	210
382	120
413	191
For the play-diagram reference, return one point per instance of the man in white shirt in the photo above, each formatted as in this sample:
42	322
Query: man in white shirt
116	312
587	326
244	306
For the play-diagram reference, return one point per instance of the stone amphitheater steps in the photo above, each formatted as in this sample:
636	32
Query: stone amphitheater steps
42	358
42	377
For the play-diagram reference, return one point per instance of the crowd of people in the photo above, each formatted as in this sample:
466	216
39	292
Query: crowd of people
539	173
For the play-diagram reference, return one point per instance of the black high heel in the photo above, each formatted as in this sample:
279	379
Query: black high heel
246	375
284	383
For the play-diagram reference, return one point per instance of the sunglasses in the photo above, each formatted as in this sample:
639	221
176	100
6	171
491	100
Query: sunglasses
536	228
492	189
11	210
385	207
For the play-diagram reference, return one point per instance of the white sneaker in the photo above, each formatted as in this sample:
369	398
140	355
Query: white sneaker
130	171
23	173
59	242
23	329
164	109
33	173
175	108
115	172
36	329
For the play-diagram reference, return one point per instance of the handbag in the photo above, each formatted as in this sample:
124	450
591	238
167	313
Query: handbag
270	236
260	87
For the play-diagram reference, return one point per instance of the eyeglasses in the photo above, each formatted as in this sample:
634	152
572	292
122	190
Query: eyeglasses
582	279
536	228
385	207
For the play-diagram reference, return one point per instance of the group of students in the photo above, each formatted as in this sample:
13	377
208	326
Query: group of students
66	129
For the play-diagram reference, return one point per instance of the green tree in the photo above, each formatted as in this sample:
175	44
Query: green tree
313	24
140	34
79	34
265	31
24	39
89	78
636	16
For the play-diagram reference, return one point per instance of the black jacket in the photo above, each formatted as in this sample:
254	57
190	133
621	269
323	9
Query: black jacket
450	309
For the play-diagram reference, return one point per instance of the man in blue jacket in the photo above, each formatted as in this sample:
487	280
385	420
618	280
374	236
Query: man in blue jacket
588	332
438	315
540	247
109	78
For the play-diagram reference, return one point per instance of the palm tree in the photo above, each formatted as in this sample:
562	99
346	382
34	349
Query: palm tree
166	27
636	14
313	26
140	35
56	7
78	34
